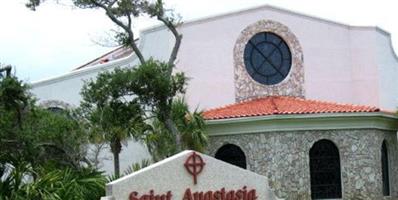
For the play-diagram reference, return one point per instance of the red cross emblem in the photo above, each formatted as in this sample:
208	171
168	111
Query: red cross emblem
194	165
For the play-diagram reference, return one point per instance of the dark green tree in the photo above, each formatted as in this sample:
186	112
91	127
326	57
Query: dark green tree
42	154
36	135
111	115
145	89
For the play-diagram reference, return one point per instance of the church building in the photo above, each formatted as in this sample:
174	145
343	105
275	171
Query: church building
307	102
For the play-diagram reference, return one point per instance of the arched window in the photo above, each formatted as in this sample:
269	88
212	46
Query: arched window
325	171
232	154
384	168
57	110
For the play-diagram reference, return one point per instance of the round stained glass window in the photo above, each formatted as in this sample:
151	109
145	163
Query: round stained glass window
267	58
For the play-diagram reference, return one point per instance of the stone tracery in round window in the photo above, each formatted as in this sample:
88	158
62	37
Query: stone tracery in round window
267	58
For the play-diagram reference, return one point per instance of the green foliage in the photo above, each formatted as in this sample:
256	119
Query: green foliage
14	99
44	137
13	94
68	184
33	134
161	143
42	153
149	83
154	86
145	87
137	166
130	169
58	138
13	174
52	184
107	107
111	115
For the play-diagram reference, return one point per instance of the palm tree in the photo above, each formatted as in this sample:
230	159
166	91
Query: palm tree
109	116
161	143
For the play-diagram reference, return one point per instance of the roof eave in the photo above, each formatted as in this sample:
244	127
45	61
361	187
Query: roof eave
303	122
85	71
269	7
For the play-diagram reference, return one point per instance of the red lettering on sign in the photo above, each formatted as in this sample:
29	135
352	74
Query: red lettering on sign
252	195
208	195
150	196
222	194
217	195
187	195
244	193
198	196
230	195
133	196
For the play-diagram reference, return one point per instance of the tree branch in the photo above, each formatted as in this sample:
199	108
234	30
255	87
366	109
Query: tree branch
126	28
128	21
177	36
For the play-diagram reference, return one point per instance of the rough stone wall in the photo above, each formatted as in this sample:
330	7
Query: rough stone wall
284	158
392	146
247	88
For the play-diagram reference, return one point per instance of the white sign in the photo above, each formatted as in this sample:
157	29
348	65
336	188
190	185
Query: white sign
190	175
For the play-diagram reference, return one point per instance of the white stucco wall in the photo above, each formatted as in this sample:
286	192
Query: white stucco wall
67	87
387	66
363	66
339	60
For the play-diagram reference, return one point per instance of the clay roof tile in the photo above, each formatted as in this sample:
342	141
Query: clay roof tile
282	105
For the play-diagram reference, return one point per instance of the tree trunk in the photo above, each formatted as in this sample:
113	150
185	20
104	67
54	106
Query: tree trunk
116	164
116	148
172	127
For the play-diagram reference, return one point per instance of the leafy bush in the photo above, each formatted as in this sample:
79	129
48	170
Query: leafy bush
54	184
42	153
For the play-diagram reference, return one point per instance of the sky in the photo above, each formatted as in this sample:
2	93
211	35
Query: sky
58	38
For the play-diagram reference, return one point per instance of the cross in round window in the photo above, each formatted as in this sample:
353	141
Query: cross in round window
267	58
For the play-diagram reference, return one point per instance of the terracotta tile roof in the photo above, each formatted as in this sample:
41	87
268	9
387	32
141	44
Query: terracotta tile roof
282	105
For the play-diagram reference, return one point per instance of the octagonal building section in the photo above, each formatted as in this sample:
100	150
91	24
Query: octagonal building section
309	149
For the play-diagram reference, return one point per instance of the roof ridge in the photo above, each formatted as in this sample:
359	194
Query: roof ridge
283	105
275	107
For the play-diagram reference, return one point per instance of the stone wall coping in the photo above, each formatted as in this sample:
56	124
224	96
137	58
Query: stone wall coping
328	121
150	167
